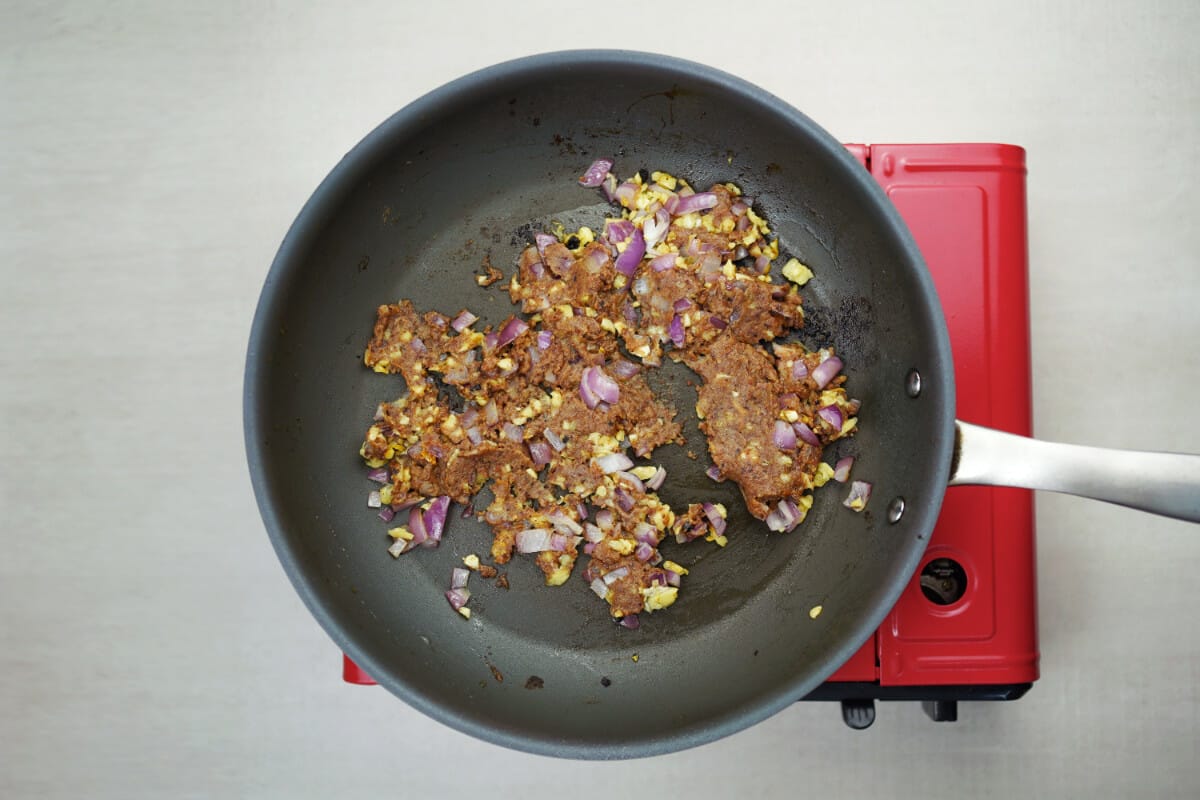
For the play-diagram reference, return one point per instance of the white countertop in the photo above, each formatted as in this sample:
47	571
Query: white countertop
152	159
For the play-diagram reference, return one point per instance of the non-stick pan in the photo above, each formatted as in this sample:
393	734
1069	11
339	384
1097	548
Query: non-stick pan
467	173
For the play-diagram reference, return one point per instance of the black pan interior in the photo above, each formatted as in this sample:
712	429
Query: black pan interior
467	173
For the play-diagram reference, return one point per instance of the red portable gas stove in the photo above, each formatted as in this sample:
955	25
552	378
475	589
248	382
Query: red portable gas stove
966	626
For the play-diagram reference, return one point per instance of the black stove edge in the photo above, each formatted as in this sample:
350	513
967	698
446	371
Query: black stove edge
940	703
854	690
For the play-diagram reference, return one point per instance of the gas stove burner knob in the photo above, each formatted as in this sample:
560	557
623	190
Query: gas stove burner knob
943	581
858	713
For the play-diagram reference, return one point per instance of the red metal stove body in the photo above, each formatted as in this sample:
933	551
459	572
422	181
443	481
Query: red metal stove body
965	206
966	626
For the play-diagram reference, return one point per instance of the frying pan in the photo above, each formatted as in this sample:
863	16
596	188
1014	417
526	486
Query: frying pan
468	172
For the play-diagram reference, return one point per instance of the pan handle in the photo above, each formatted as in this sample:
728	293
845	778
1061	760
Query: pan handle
1161	483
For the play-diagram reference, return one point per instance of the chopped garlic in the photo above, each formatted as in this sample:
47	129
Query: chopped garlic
796	272
472	561
814	612
465	611
824	473
659	597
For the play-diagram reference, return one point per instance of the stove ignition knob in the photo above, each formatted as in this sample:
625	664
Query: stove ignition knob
943	581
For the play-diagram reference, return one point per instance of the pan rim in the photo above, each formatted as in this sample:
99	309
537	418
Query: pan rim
939	391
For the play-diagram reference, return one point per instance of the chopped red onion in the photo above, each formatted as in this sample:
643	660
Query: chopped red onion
600	588
625	193
784	436
644	552
655	229
616	575
513	433
709	267
511	330
379	475
491	413
595	387
799	369
458	597
656	480
435	517
682	304
490	339
714	474
474	435
458	577
672	204
543	339
387	513
564	524
378	412
539	452
738	208
806	434
641	286
604	518
538	270
543	240
701	201
418	345
645	532
624	369
627	262
594	176
860	493
613	462
784	517
629	313
416	526
398	547
717	322
714	517
630	621
373	500
832	415
617	230
589	548
672	577
675	331
625	500
533	540
841	472
762	263
558	542
609	187
592	533
469	416
826	371
557	443
633	480
663	263
463	321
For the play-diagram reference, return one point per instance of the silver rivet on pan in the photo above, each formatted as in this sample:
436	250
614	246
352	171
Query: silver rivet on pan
912	384
895	510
